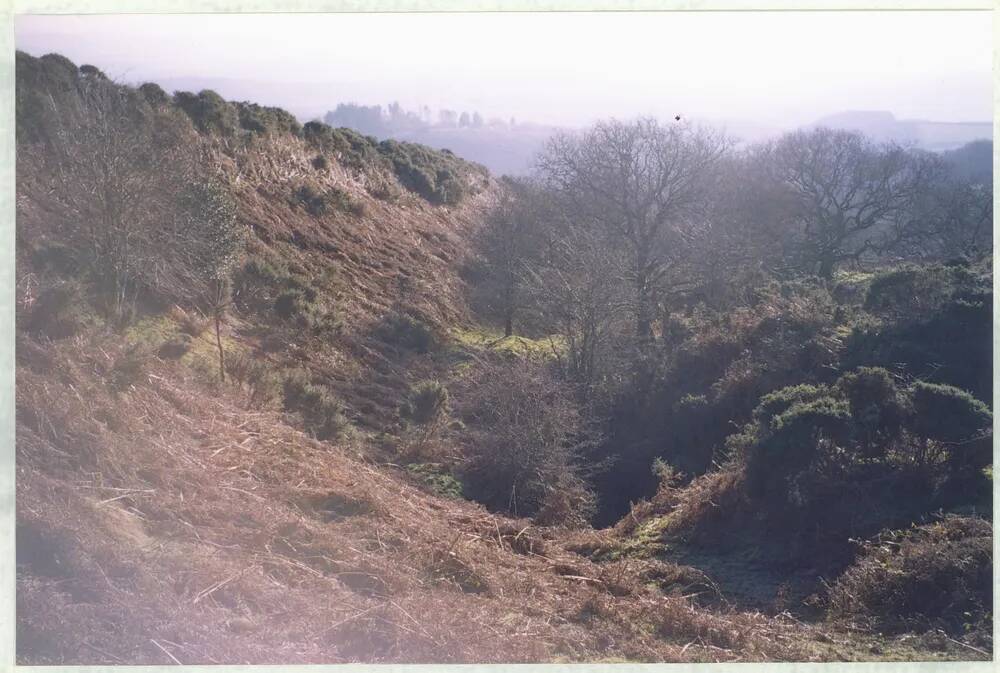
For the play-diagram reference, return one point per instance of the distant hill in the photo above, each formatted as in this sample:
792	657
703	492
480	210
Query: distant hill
929	135
504	150
973	162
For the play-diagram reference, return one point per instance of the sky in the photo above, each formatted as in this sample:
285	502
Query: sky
771	68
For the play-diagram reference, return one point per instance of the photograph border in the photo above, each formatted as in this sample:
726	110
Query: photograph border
7	283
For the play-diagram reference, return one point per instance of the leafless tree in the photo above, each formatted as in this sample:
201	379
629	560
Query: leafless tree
952	217
641	186
576	286
847	191
527	437
112	178
508	242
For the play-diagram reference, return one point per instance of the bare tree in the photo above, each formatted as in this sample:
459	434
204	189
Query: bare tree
575	285
527	438
112	178
848	193
952	217
508	241
641	186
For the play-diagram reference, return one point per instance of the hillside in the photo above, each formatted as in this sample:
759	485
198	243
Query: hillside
298	508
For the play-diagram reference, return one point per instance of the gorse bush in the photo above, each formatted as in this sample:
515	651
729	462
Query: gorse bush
436	176
256	378
935	321
261	120
322	414
59	312
272	291
129	368
426	404
154	94
858	428
352	150
209	112
334	199
933	576
407	332
878	407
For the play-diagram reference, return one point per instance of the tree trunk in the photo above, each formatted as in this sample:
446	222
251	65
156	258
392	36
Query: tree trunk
826	266
218	342
508	325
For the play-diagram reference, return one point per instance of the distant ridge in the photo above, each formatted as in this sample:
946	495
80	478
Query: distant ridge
925	134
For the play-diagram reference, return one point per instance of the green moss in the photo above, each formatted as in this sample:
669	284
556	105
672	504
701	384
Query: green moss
483	338
202	356
437	478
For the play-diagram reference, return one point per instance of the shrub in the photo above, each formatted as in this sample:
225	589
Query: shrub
877	406
427	403
209	112
800	436
175	348
129	368
255	376
527	436
939	575
436	176
314	202
58	312
322	414
190	322
320	163
404	331
154	94
59	259
961	427
776	403
87	70
946	414
258	119
945	331
912	293
435	476
344	202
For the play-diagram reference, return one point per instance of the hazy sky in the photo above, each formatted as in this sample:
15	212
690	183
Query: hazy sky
778	68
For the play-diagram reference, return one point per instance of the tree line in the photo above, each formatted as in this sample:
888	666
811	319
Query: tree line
628	221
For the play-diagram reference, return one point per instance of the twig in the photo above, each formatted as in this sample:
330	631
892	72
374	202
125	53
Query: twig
348	619
166	652
974	649
100	651
212	589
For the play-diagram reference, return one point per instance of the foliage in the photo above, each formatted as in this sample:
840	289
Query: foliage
59	311
209	112
256	377
318	204
436	176
261	120
937	575
405	331
129	368
154	94
352	150
935	321
437	479
322	414
426	404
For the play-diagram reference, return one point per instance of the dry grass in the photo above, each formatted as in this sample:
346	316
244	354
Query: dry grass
169	522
